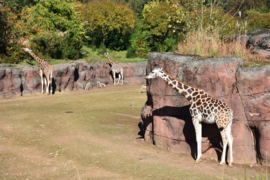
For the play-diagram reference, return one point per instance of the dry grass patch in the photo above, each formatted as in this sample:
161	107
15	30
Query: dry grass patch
207	44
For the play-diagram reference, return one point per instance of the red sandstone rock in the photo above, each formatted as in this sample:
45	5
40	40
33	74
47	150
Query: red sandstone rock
10	81
24	80
254	88
222	78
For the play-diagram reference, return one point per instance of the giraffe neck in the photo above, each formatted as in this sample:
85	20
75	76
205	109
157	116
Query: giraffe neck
39	60
188	91
111	61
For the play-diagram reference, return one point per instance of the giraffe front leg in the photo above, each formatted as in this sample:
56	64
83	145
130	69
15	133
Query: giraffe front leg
50	85
45	80
198	131
41	77
122	78
113	78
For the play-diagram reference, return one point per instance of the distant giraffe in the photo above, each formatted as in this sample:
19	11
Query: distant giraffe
143	88
100	84
44	69
203	108
115	69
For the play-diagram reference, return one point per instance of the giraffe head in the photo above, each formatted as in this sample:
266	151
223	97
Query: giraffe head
155	73
106	54
27	49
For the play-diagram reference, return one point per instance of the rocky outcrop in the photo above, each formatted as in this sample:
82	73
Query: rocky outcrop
17	80
166	116
258	41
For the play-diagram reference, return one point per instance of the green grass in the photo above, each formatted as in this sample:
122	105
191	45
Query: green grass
90	55
97	140
117	56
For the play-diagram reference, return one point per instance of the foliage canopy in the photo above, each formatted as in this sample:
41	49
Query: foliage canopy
107	16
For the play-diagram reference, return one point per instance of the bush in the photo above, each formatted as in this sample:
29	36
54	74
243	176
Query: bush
168	45
258	20
102	49
130	53
53	45
139	43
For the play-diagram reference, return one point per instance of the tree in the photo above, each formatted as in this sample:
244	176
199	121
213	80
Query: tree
108	16
9	44
158	17
55	28
18	4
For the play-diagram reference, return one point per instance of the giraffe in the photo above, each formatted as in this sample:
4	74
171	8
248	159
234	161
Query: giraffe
203	109
87	86
115	69
100	84
143	88
44	69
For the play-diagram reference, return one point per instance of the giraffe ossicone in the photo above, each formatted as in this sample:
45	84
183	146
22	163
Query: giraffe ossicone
115	69
203	108
44	69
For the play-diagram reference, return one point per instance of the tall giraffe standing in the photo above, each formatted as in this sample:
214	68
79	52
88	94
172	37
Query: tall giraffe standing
203	109
44	69
115	69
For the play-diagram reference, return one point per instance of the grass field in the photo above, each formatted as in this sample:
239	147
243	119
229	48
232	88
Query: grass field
90	135
90	55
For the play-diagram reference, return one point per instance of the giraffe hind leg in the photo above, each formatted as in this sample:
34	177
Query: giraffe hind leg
225	143
230	139
119	77
50	86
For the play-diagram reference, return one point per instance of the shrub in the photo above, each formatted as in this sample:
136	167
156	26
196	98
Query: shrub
258	20
139	43
102	49
168	45
130	53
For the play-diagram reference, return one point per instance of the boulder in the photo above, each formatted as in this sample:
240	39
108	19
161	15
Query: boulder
10	81
254	89
166	116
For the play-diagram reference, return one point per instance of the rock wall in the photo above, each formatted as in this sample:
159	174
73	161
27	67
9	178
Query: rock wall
166	116
17	80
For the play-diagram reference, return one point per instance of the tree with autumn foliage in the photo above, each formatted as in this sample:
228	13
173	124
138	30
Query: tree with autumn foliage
107	16
10	44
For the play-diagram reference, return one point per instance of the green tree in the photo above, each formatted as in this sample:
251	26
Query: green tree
156	21
54	27
108	16
18	4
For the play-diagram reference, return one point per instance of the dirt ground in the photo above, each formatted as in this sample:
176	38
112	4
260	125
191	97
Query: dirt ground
92	135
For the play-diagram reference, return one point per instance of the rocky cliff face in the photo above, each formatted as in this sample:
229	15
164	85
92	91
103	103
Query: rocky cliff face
23	80
166	116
